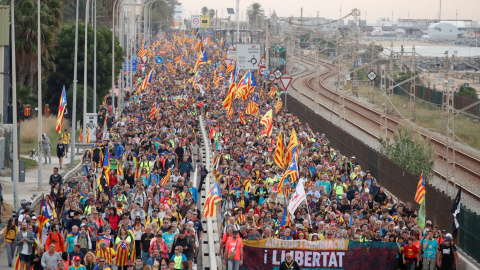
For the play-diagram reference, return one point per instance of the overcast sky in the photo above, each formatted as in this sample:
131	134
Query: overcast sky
424	9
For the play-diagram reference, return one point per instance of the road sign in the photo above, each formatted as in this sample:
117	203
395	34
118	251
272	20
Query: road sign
261	70
129	66
271	77
286	81
284	92
278	73
372	75
230	48
205	21
248	56
262	63
195	21
158	60
266	71
162	52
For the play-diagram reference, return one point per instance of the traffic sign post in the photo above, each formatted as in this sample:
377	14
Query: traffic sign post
266	72
262	63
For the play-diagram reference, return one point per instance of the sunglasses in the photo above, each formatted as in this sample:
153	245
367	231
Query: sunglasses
101	261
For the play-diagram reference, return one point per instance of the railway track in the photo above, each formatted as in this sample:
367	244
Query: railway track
465	162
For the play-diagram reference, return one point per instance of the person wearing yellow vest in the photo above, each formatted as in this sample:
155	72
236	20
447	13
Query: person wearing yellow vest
339	188
145	164
66	141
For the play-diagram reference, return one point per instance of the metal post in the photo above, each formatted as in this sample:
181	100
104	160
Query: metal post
238	21
74	109
113	55
95	56
14	105
85	87
267	46
39	96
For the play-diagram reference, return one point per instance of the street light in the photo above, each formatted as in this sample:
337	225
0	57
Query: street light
14	108
74	110
85	76
113	56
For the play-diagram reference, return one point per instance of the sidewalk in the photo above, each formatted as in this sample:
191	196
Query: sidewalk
30	186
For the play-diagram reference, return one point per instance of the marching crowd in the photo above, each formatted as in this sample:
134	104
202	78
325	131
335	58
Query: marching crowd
142	211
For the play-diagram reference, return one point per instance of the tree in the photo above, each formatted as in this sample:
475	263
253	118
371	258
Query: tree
64	58
205	10
26	39
255	14
410	151
164	12
468	92
212	13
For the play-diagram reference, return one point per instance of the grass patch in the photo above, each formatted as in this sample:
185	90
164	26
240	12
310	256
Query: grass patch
29	164
426	115
29	138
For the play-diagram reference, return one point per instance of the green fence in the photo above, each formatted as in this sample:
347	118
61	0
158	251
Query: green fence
470	233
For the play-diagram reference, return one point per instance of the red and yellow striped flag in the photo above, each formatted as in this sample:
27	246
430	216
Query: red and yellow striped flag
279	151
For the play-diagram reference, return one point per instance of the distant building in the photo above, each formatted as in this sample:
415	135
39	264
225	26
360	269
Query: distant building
179	16
442	30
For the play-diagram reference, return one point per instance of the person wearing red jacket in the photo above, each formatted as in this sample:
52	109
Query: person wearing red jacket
158	243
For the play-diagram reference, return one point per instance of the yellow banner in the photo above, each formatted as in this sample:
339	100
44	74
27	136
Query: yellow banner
330	244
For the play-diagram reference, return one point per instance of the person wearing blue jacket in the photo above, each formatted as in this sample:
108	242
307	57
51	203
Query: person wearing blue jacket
178	257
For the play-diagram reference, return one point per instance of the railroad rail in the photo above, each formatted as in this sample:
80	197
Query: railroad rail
307	79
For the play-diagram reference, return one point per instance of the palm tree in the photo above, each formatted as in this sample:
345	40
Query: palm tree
26	38
205	10
212	13
164	12
255	13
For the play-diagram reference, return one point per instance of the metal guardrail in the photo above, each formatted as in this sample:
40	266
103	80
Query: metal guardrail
210	259
36	200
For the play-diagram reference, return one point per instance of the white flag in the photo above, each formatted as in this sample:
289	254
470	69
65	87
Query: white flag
297	198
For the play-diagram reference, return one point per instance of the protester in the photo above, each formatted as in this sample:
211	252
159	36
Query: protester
289	263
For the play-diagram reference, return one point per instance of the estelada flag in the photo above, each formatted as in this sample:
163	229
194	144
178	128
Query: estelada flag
267	121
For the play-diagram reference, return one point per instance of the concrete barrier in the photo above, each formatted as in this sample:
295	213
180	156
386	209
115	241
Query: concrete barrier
210	243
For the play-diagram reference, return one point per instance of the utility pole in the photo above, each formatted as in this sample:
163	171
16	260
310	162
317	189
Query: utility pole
113	56
39	96
267	46
74	105
448	104
301	17
413	86
440	11
372	60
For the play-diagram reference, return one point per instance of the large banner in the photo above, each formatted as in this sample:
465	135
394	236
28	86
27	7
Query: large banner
319	255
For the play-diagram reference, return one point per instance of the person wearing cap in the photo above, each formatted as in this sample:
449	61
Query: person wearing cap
235	246
448	255
51	258
77	265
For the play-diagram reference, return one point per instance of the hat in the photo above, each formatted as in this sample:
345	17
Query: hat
448	235
130	263
353	157
77	258
34	218
100	202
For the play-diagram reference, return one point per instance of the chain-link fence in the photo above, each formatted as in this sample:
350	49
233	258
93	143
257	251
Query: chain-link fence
469	233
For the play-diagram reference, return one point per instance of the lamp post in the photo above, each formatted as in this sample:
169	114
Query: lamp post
94	56
39	96
14	108
74	109
113	56
85	88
